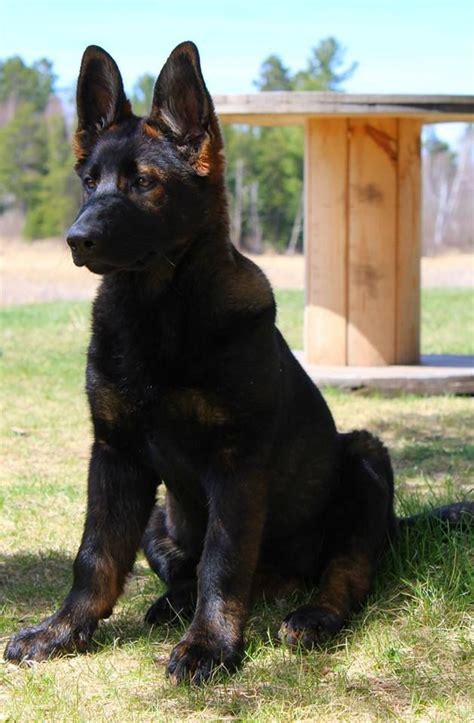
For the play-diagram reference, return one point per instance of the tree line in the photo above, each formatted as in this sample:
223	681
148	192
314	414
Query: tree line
36	162
264	165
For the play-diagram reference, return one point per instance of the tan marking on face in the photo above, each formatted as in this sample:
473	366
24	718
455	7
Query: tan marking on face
79	145
203	162
154	171
154	196
151	131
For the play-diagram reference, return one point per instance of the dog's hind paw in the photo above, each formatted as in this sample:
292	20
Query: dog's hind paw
309	626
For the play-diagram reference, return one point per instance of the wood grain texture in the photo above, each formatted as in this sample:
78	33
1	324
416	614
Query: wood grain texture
407	327
373	158
326	160
284	108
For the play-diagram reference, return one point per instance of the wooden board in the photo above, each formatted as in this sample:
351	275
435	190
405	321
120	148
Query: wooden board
290	107
373	159
407	325
436	374
326	157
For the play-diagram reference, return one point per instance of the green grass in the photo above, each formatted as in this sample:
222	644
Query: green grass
407	655
447	322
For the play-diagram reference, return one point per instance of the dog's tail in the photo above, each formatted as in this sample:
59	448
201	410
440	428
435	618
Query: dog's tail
364	448
457	514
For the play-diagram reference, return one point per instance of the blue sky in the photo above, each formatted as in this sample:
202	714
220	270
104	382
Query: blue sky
402	46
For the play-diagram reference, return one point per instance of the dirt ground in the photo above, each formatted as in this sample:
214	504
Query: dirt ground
43	271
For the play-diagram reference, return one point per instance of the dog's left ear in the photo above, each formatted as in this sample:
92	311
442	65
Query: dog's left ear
182	107
101	99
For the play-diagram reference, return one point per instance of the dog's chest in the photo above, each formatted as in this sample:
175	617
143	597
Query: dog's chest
157	379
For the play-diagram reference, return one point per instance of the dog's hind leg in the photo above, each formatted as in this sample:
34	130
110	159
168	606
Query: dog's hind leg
177	602
174	566
359	520
165	555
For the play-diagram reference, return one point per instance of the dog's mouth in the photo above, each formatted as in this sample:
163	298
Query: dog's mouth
97	266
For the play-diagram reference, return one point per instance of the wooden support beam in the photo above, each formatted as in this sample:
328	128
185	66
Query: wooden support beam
326	240
362	215
373	159
362	241
407	328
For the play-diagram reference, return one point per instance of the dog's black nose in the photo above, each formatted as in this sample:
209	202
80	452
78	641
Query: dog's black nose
80	244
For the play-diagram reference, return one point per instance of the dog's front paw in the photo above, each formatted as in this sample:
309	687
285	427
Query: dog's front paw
52	637
309	626
193	662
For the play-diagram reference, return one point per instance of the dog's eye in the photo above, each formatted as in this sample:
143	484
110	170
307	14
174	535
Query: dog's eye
144	182
89	183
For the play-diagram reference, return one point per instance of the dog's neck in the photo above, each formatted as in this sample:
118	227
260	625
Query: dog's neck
169	268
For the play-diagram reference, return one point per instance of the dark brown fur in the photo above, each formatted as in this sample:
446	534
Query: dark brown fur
191	384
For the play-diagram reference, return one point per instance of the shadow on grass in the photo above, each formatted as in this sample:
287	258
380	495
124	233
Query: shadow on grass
33	585
34	581
429	564
436	444
427	558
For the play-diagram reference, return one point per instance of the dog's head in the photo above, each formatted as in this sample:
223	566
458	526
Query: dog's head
150	184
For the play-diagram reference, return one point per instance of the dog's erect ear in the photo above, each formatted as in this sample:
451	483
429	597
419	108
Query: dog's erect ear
101	100
182	106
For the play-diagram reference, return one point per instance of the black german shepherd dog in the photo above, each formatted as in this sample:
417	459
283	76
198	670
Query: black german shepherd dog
191	384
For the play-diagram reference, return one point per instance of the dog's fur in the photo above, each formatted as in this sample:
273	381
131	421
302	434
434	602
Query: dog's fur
191	384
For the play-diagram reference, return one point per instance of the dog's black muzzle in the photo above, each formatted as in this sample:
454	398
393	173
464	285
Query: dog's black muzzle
101	232
81	244
91	229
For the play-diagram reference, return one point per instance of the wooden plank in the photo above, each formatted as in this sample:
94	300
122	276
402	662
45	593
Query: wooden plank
436	374
326	241
281	107
463	385
407	325
373	154
275	118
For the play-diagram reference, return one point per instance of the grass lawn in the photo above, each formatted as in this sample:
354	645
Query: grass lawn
407	655
447	320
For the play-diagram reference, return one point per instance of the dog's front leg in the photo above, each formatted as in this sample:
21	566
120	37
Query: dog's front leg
225	575
120	498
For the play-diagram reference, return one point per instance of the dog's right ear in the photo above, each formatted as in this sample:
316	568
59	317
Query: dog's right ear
182	108
101	100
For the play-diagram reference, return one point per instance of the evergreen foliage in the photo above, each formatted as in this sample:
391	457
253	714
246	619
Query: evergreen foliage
271	159
264	165
36	162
